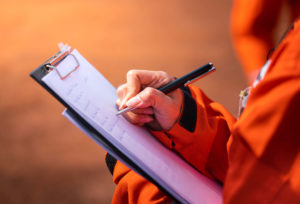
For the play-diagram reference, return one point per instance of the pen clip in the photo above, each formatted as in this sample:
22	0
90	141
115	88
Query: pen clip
201	76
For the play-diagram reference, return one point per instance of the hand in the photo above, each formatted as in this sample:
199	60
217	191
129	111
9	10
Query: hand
155	109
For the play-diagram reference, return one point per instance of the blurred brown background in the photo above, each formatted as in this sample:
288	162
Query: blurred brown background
43	157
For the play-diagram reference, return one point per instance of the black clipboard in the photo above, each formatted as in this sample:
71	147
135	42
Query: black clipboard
49	66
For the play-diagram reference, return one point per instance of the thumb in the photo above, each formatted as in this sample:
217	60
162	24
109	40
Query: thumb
166	109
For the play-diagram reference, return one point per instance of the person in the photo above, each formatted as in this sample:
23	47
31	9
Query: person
254	29
256	156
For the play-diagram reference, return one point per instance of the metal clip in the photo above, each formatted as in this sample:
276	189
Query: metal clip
49	67
201	76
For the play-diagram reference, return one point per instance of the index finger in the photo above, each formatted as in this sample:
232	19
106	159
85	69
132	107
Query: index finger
138	79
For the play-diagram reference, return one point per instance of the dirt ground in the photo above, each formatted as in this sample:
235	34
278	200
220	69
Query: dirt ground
43	157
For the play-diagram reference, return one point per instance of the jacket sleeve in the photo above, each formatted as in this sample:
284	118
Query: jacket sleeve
131	187
200	136
253	24
264	156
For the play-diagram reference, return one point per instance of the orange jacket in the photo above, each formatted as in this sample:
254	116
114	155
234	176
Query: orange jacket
257	157
253	25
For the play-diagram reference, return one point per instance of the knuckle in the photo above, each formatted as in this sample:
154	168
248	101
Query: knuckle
149	91
121	89
119	93
149	96
132	73
164	75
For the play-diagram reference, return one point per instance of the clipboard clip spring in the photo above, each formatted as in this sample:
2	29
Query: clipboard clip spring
48	67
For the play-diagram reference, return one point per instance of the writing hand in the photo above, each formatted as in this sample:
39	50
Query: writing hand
154	108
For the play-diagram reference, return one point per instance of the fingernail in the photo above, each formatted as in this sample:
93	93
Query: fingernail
118	102
121	105
133	101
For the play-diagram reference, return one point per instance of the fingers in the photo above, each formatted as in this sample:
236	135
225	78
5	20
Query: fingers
121	93
149	97
153	107
146	111
138	79
138	117
166	108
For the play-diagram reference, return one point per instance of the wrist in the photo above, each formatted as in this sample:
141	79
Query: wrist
179	113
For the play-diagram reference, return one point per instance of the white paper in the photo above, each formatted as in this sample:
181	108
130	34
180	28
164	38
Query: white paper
93	97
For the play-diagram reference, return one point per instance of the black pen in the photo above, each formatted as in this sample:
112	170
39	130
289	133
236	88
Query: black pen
182	81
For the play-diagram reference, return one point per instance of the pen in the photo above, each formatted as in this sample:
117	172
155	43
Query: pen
182	81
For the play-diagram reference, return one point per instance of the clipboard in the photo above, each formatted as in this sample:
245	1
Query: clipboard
49	66
52	65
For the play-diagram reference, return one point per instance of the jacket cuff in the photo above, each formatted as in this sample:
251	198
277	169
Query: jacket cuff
110	163
187	121
116	168
189	113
